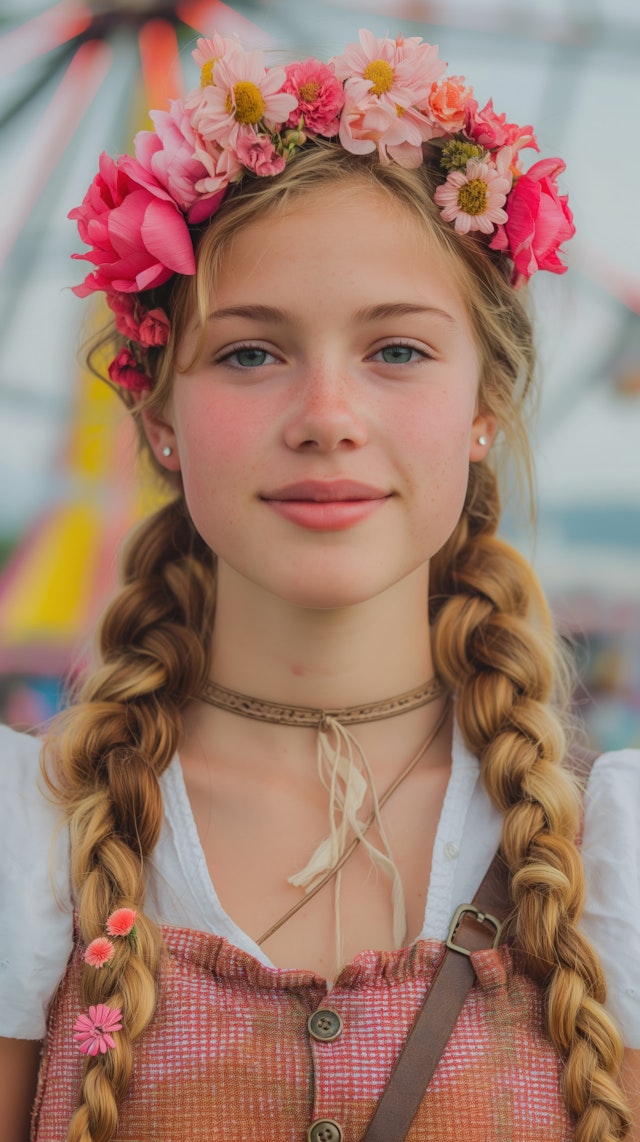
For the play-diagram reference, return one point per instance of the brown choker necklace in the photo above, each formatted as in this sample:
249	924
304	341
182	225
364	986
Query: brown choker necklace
283	715
346	775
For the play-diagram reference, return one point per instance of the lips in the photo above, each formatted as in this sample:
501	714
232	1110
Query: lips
326	491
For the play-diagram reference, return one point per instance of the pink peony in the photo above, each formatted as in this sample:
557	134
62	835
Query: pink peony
245	95
99	952
168	155
474	199
121	922
138	236
370	125
125	370
319	94
221	167
93	1032
259	155
538	221
491	131
448	103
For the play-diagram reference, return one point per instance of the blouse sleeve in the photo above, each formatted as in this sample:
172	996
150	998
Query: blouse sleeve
36	925
611	854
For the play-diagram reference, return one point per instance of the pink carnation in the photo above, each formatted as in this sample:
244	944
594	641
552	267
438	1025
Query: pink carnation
448	103
138	236
149	327
258	154
538	221
99	952
125	306
124	370
154	329
492	131
320	96
93	1033
121	922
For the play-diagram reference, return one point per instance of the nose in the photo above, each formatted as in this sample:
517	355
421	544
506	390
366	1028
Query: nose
326	411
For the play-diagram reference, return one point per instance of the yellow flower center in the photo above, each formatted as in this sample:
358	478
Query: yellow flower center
473	196
309	91
249	104
206	75
381	75
400	111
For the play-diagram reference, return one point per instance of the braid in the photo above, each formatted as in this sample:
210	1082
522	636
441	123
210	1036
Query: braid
110	750
493	645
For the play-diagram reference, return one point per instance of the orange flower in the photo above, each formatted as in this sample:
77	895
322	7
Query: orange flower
121	922
448	102
99	952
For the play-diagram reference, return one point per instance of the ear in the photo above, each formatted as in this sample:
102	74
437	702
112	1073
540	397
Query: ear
484	428
161	437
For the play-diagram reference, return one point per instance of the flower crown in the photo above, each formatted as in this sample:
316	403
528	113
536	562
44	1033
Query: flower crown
387	95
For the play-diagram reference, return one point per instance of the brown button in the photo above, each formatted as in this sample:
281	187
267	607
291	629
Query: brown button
324	1025
324	1130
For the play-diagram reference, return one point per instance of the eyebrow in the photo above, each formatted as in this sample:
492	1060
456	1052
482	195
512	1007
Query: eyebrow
362	316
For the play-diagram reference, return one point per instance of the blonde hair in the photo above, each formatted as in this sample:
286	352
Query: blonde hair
493	645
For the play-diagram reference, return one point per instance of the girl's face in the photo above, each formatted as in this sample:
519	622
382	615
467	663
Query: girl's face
324	436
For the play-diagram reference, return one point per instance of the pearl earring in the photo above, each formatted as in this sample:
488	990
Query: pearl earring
166	451
482	440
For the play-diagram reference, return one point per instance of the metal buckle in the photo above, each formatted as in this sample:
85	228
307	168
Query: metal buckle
481	917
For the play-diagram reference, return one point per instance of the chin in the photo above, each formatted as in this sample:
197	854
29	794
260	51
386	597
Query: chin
327	593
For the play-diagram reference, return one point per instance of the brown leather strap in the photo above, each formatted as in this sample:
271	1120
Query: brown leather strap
449	988
442	1005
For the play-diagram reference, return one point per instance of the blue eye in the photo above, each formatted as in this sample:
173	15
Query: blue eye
399	354
248	357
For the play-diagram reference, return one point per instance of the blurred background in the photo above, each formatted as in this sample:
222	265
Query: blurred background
77	78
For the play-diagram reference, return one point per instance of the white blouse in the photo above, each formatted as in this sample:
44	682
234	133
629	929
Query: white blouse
35	897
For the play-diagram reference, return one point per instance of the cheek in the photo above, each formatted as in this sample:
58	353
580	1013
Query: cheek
218	445
216	434
436	447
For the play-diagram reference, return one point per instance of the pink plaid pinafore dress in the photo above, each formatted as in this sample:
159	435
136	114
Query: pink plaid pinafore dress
239	1052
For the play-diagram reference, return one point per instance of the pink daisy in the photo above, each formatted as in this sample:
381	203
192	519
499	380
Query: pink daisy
92	1032
122	921
99	952
209	51
386	81
473	199
245	95
397	72
207	54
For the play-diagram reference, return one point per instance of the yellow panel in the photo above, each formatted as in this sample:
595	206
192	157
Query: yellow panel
49	598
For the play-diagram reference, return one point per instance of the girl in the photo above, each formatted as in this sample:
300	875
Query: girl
326	687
